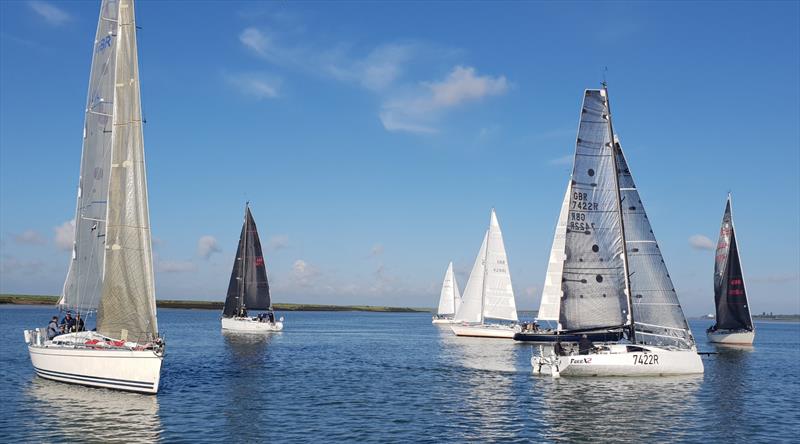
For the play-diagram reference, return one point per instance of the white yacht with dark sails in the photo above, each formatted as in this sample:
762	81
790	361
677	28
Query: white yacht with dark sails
111	271
614	276
248	289
734	323
488	294
449	298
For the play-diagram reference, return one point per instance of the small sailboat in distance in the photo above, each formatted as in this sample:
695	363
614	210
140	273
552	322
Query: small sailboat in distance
111	271
614	276
449	298
734	323
248	288
488	294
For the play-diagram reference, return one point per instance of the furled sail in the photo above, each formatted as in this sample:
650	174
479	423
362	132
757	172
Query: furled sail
498	293
127	302
448	299
594	272
84	282
730	296
657	314
472	298
248	285
550	306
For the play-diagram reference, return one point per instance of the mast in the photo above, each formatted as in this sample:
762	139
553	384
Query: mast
243	265
632	330
485	259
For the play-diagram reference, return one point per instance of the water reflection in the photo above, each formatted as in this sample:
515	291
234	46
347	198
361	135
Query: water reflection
245	384
617	409
67	412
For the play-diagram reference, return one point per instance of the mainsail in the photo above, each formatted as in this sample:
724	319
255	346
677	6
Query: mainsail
730	296
248	287
594	271
489	294
112	265
449	299
550	306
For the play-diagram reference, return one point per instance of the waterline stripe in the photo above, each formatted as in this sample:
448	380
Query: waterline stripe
96	378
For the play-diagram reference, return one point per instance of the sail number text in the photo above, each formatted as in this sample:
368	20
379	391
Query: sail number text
645	359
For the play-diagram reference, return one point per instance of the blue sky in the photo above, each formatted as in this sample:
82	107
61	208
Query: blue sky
373	138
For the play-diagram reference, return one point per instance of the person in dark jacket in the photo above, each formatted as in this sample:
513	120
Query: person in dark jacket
271	317
68	322
52	328
557	348
584	345
79	325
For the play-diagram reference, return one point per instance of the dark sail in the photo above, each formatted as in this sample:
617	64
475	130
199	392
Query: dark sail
249	275
730	296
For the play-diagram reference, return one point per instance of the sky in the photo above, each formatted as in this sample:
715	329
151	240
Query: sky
373	138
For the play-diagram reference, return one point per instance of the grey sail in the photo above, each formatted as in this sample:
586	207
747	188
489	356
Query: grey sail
84	282
657	314
127	303
730	295
248	287
593	281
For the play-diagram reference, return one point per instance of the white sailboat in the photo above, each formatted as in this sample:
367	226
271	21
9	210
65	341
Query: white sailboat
488	294
248	288
614	276
449	298
111	271
734	324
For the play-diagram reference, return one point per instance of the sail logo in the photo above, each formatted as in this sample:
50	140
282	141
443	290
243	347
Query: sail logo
104	43
259	261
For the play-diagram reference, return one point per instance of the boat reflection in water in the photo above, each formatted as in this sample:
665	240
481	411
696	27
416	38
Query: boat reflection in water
69	412
247	385
613	409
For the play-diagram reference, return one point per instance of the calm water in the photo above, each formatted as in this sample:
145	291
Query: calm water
395	377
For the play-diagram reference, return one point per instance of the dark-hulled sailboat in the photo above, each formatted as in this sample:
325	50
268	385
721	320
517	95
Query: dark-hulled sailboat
248	289
734	324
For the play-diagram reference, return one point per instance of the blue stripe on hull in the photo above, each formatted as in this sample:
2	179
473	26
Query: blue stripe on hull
122	384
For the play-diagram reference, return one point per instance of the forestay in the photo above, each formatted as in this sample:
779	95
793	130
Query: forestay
128	301
472	299
550	305
594	273
657	314
248	281
449	298
730	296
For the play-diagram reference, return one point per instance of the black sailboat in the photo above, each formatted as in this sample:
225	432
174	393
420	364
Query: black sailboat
734	323
248	288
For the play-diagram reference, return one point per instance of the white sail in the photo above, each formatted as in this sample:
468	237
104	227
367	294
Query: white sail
550	306
447	298
498	294
456	294
128	297
472	299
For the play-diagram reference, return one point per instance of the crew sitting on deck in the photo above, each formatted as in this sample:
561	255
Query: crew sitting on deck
68	322
242	312
271	317
79	325
584	345
52	328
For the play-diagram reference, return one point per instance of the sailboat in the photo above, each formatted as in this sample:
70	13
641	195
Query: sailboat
111	271
449	298
614	276
734	323
248	288
488	294
550	305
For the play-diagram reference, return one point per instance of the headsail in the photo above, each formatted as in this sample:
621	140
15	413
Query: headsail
447	299
594	271
730	296
658	317
248	281
550	306
84	282
498	293
472	299
128	298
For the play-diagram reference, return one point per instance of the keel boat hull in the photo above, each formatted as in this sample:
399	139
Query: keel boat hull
250	325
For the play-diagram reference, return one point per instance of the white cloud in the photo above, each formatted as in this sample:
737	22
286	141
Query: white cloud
256	41
303	273
50	13
700	242
206	246
30	237
255	85
279	242
65	235
175	266
376	250
462	85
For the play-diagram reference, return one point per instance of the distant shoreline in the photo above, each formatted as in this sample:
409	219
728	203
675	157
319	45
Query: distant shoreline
25	299
768	318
